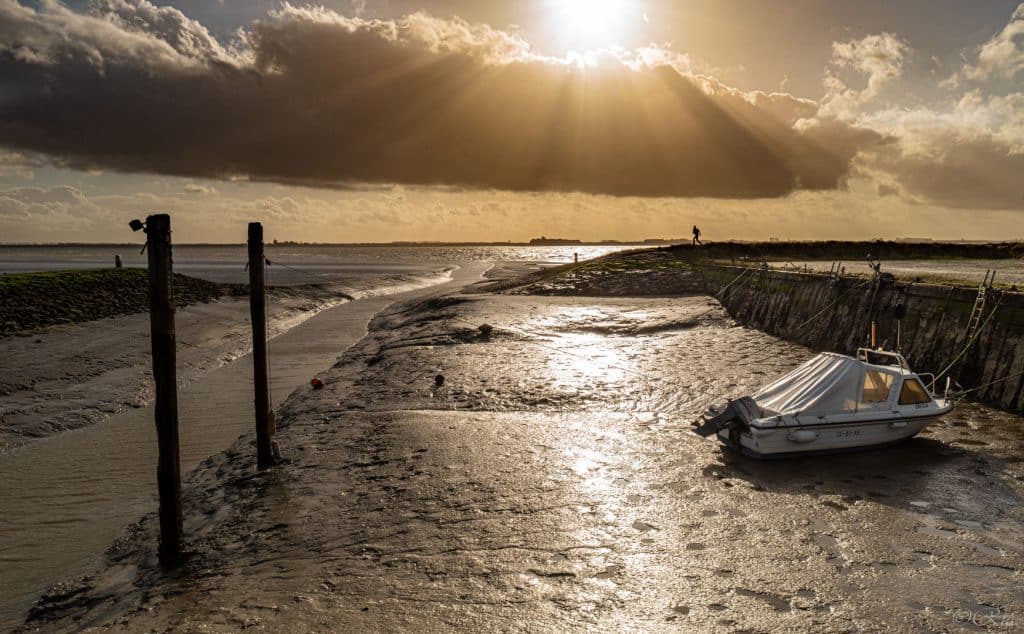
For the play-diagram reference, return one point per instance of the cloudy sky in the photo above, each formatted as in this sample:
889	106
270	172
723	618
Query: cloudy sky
380	120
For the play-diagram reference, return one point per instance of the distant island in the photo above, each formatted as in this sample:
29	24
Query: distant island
553	241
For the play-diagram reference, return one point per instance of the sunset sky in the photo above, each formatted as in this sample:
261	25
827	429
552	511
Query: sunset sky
485	120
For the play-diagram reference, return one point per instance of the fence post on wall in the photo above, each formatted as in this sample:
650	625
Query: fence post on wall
258	312
161	320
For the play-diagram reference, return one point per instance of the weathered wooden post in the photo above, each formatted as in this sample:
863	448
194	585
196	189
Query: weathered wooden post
258	311
161	320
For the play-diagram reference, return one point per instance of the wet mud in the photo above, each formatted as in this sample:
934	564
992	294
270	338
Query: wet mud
76	375
551	482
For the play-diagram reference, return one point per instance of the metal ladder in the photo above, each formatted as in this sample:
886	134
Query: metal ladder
979	303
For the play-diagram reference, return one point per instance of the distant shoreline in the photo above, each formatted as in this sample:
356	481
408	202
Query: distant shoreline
95	245
811	249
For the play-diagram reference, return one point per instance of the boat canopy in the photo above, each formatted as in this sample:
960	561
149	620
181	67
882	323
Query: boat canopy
828	384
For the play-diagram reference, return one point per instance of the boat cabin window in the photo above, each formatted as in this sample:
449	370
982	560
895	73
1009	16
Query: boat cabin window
876	387
913	393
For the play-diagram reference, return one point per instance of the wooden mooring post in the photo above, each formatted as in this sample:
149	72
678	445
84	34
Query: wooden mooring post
260	374
161	320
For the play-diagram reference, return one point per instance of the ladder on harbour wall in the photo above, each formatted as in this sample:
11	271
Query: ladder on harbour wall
979	304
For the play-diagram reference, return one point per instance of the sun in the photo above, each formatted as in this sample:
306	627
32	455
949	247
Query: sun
588	24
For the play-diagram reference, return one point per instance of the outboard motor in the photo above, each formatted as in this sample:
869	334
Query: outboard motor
739	412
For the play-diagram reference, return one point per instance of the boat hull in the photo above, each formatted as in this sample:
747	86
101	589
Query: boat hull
787	441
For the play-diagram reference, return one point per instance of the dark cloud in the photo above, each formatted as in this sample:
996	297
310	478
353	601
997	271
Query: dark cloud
959	170
887	190
306	95
970	155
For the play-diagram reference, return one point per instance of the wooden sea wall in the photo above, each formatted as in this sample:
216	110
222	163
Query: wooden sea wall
835	314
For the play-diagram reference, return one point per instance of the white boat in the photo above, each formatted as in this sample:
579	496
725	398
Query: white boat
830	404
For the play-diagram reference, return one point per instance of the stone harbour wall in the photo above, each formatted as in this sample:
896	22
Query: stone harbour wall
835	313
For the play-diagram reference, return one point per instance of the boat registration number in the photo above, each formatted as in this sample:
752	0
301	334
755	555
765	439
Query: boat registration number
848	433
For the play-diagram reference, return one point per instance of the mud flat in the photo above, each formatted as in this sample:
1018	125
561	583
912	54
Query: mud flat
66	497
80	366
69	376
552	483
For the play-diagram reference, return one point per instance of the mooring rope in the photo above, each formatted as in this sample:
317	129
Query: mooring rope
970	342
735	279
989	384
319	277
832	303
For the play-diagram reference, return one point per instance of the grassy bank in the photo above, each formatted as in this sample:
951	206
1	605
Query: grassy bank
30	301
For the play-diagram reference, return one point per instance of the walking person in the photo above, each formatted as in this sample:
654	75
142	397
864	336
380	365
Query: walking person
696	236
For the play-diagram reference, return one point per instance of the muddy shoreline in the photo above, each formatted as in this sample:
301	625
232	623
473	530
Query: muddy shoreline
552	483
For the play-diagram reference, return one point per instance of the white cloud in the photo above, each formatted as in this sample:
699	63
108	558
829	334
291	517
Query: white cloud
878	57
969	155
113	32
1002	57
19	165
39	211
194	188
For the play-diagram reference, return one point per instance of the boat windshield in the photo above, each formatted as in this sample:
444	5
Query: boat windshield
913	393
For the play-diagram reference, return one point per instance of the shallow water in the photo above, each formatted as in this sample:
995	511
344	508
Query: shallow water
66	498
293	264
